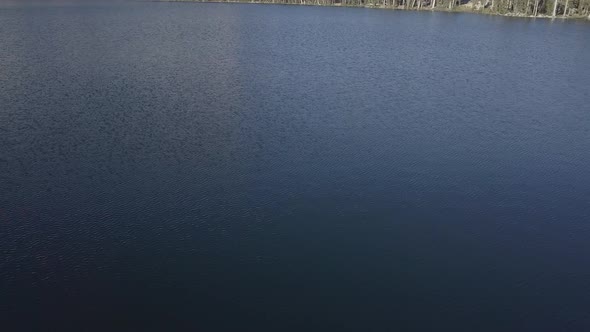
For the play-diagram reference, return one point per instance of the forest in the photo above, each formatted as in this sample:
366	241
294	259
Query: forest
524	8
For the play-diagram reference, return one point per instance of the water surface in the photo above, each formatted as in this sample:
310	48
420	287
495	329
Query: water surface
256	167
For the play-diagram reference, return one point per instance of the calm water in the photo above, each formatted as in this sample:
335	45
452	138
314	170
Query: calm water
271	168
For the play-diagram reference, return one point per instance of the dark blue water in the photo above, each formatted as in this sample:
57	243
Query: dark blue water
218	167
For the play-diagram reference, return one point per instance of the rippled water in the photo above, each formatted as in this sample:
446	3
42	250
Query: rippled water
254	167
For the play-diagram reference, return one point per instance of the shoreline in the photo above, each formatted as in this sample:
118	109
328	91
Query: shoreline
465	8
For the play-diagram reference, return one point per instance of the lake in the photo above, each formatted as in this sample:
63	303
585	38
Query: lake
235	167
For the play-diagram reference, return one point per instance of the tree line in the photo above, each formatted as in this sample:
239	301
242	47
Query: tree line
553	8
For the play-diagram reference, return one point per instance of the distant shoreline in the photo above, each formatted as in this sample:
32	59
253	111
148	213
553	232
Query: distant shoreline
413	5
